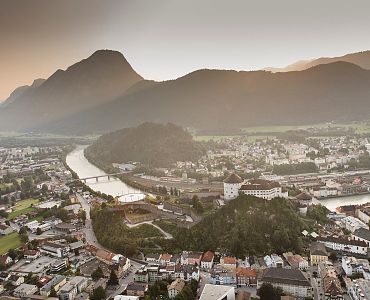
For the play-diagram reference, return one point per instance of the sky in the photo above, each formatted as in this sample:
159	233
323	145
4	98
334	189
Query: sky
165	39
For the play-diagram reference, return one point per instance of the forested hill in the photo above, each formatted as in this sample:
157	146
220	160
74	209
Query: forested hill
155	145
246	226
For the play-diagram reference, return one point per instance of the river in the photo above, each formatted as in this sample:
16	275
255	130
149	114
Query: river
333	203
77	161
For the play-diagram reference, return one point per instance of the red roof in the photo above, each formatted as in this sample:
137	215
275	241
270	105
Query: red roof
208	256
247	272
233	178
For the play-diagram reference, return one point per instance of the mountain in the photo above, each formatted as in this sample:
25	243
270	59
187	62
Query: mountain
153	144
20	91
361	59
214	99
103	93
98	79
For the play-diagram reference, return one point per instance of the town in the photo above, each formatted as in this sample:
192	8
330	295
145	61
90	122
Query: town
49	247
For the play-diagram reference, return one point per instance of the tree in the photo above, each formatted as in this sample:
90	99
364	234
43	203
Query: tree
333	256
98	273
38	231
98	294
12	254
82	215
268	292
53	293
113	280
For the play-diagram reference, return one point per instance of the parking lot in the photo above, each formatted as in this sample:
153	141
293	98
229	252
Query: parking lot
37	266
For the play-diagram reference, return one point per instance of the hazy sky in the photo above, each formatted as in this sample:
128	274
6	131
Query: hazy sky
164	39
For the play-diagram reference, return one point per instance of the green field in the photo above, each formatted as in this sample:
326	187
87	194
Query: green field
22	207
10	241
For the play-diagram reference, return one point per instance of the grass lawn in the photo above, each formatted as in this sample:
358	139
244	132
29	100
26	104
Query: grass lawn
10	241
23	207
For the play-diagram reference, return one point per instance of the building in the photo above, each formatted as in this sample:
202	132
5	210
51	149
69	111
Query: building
362	234
74	286
232	185
207	260
5	229
344	244
123	297
141	275
352	265
217	292
318	253
352	223
296	261
359	289
291	281
58	265
228	263
263	189
24	290
329	281
175	288
55	249
246	276
136	289
56	283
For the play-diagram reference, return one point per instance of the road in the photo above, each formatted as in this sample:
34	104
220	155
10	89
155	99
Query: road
91	239
167	235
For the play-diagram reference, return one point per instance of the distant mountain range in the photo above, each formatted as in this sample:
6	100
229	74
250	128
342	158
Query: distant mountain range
103	93
361	59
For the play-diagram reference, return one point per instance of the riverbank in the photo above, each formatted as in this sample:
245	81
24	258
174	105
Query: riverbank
333	203
112	187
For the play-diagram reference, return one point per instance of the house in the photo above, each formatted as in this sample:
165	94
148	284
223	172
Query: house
352	265
207	260
16	280
220	277
330	281
228	263
165	259
136	289
152	258
296	261
362	234
318	253
246	276
141	275
175	288
5	259
291	281
30	255
217	292
5	229
24	290
190	272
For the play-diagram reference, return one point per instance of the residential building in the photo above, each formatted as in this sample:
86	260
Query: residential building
5	229
55	283
74	286
344	244
228	263
359	289
362	234
207	260
24	290
136	289
318	253
291	281
296	261
246	276
175	288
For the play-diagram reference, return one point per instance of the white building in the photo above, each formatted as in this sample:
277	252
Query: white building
255	187
352	265
362	234
232	185
175	288
25	290
352	223
343	244
217	292
359	289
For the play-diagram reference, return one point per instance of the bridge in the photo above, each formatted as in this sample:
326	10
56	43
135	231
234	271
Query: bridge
98	176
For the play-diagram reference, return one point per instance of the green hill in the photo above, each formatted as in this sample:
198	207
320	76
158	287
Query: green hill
154	145
245	226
